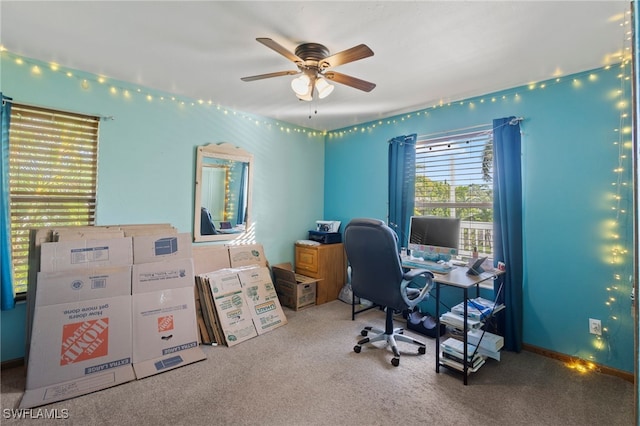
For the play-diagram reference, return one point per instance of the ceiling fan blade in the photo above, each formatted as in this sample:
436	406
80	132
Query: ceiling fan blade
350	81
269	75
360	51
280	49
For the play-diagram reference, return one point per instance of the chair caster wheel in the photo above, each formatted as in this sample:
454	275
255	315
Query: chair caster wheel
422	350
364	333
395	362
357	349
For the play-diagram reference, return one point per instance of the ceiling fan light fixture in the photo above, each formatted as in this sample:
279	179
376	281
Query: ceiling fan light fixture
323	87
301	85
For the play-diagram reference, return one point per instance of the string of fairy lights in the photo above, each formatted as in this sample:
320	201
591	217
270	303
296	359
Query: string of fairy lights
617	235
618	243
88	81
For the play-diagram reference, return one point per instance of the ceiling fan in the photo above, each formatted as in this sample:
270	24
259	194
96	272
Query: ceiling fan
313	62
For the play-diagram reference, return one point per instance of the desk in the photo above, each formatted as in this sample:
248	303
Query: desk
459	278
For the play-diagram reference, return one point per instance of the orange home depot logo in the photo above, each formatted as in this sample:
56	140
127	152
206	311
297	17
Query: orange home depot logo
165	323
84	340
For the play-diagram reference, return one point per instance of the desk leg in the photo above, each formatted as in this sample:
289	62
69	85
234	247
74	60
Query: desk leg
464	337
437	327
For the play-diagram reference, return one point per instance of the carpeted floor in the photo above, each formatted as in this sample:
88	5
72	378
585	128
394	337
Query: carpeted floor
306	373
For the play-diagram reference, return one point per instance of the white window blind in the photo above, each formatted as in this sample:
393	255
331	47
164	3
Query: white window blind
454	178
52	175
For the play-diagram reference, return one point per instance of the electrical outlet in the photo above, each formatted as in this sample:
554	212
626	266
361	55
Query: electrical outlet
595	326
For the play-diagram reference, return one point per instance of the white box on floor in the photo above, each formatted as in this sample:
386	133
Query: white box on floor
77	348
165	334
262	299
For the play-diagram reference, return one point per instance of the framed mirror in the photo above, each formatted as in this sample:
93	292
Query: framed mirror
222	192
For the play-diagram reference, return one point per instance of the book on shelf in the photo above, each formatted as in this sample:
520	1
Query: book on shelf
457	321
478	308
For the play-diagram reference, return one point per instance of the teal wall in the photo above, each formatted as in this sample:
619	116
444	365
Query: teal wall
576	131
146	161
146	174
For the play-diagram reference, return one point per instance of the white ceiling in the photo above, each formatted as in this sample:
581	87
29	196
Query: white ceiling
425	52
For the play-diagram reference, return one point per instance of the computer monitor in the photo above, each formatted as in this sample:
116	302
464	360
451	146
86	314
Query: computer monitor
433	237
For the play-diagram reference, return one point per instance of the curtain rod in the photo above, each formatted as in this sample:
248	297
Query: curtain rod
99	116
512	122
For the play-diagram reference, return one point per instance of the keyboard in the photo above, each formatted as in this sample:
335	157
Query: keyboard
438	268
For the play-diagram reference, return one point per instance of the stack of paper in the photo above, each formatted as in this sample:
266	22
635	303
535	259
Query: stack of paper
453	355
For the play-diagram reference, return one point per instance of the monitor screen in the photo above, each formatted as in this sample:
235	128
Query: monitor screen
433	237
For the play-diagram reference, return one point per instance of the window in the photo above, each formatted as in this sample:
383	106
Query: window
454	178
52	176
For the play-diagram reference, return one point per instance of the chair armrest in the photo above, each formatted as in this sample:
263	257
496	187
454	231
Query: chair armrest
413	273
408	278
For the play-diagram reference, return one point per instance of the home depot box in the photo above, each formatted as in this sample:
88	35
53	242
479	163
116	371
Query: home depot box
158	247
78	348
262	299
59	287
81	254
165	334
295	291
163	275
247	255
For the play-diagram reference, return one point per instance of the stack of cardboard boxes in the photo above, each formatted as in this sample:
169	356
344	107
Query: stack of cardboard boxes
165	333
106	305
239	302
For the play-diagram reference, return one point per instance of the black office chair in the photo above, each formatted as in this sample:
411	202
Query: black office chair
206	223
377	276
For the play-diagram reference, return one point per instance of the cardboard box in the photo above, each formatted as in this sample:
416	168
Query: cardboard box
262	299
54	288
159	247
223	281
77	348
163	275
86	233
295	291
210	258
234	317
81	254
165	333
247	255
148	229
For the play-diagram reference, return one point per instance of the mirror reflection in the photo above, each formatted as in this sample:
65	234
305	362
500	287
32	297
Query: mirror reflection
222	192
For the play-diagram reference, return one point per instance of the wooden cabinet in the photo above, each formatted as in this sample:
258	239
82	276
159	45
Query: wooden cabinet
326	262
